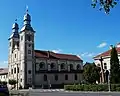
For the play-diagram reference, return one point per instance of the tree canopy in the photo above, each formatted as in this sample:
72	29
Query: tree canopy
12	82
91	73
114	67
106	5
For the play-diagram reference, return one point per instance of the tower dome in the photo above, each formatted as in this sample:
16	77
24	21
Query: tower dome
27	22
15	33
27	17
15	26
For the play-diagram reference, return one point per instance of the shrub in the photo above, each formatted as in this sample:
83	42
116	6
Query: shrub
12	82
94	87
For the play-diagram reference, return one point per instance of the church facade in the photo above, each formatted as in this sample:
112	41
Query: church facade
39	68
103	61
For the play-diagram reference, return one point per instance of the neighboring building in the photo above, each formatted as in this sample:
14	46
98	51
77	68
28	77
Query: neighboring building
106	58
32	67
4	74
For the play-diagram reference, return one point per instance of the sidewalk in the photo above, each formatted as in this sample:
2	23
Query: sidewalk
41	90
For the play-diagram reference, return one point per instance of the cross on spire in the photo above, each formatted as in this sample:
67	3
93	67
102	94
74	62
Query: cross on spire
15	20
27	8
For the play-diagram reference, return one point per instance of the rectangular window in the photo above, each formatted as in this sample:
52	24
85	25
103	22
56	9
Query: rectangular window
29	51
56	77
29	71
21	38
29	38
18	70
45	77
10	43
14	70
29	45
66	77
75	77
11	71
15	55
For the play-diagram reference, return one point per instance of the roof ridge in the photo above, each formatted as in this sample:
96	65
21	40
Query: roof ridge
106	53
58	55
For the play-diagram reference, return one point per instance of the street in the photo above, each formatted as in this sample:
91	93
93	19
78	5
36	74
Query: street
73	94
58	92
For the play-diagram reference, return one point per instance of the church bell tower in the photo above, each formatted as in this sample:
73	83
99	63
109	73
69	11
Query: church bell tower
27	51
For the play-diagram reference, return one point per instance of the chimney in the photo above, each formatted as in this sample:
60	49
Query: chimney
111	46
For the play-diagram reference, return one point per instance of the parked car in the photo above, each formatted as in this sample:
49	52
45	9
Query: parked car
4	90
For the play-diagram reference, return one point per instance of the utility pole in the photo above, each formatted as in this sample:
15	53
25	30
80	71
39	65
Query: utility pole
101	61
109	81
17	76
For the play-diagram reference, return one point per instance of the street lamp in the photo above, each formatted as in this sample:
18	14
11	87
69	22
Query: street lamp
109	81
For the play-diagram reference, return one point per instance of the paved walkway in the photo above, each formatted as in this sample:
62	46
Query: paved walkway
42	90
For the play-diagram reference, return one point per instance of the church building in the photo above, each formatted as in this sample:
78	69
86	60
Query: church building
103	61
39	68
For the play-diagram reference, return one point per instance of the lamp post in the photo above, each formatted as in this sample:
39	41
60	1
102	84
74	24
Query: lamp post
49	84
17	76
109	81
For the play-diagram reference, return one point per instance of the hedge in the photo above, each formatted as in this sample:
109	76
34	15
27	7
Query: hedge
99	87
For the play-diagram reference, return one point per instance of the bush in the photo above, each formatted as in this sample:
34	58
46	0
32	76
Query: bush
4	82
94	87
20	87
12	82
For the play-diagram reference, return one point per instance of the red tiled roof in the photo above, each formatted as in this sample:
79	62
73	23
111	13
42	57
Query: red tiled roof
52	55
107	53
3	71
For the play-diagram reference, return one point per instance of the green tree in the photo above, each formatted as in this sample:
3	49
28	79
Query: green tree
106	5
4	82
12	82
114	67
91	73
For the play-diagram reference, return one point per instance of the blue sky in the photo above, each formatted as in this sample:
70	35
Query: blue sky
67	26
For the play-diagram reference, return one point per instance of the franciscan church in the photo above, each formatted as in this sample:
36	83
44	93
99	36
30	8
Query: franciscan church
39	68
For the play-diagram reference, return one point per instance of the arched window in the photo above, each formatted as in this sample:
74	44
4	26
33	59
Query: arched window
62	66
98	65
71	66
45	77
52	65
42	64
56	77
78	67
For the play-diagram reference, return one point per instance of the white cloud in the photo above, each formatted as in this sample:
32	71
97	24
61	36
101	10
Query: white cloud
102	45
3	64
84	54
57	51
87	54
